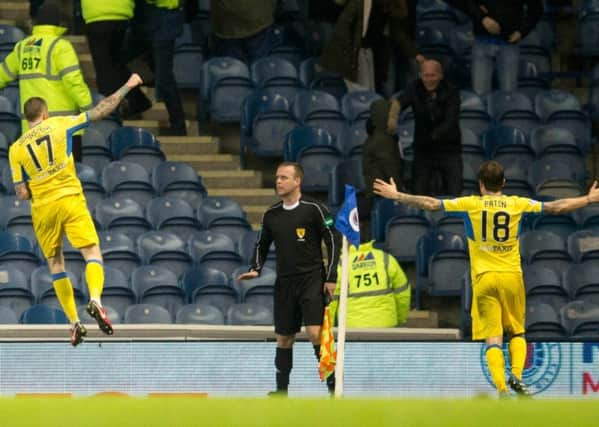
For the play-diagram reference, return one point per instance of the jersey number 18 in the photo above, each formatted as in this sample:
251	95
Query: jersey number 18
501	226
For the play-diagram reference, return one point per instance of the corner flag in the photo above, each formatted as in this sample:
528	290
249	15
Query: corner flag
348	222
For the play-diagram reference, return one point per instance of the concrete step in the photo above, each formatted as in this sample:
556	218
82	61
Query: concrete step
422	319
231	179
151	125
255	212
184	148
17	11
208	162
157	112
87	64
79	43
248	196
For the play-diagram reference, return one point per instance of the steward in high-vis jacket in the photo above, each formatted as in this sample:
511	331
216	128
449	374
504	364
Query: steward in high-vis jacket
46	65
378	293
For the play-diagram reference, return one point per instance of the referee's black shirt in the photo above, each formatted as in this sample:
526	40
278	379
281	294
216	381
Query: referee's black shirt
298	234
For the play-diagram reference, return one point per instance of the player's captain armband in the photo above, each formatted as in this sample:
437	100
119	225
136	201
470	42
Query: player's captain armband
328	221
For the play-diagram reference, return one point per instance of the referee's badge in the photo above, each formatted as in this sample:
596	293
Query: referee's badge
301	233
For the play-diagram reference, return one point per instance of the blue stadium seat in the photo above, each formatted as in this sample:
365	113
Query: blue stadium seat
581	320
127	180
43	289
554	143
562	109
223	215
163	249
114	315
200	314
265	121
158	285
225	84
42	314
73	258
118	251
180	180
582	282
258	290
9	36
473	113
173	215
545	249
146	313
322	80
246	245
186	66
10	120
352	139
356	105
117	292
274	72
121	215
562	225
319	109
15	216
17	251
472	151
544	285
587	39
315	151
554	178
215	250
345	172
136	145
8	316
513	109
441	262
209	286
543	323
584	246
7	106
588	217
504	143
11	92
15	291
92	186
95	149
249	314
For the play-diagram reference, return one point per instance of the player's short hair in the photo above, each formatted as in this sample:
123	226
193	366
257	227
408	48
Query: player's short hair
34	108
491	175
297	168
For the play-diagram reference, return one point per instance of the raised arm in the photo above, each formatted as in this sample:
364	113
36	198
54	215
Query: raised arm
560	206
388	190
109	104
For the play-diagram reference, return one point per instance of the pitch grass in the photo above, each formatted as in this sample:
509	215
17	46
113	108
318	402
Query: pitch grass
203	412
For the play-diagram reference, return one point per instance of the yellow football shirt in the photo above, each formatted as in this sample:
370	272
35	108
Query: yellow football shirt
492	226
42	157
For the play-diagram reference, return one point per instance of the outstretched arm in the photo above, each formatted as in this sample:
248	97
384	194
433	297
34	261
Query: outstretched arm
560	206
109	104
389	191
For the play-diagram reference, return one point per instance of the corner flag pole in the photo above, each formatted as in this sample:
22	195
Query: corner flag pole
341	319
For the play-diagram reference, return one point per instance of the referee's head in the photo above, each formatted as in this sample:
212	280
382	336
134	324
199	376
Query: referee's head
289	179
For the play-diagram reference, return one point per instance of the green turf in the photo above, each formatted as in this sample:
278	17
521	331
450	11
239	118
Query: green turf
180	412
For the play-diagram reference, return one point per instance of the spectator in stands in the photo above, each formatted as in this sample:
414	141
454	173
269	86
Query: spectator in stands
402	32
359	50
106	23
498	294
499	26
58	206
242	29
437	136
154	28
381	156
297	225
46	65
378	293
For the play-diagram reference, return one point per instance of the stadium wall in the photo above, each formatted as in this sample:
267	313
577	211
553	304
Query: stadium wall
242	368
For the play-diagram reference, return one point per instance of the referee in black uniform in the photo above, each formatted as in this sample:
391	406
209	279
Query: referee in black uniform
297	225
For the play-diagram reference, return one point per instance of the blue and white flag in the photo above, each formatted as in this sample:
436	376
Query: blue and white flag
348	222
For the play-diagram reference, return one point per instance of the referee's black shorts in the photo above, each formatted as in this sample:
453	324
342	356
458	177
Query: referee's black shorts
296	298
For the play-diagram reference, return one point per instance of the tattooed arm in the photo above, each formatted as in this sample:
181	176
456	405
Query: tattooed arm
109	104
389	191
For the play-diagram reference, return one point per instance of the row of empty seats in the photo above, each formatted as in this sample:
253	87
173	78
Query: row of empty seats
200	314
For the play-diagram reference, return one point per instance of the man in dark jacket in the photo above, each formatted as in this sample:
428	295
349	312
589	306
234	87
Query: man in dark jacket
498	26
437	136
380	156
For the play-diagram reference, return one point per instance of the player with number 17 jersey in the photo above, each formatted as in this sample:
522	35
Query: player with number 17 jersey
492	226
42	158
